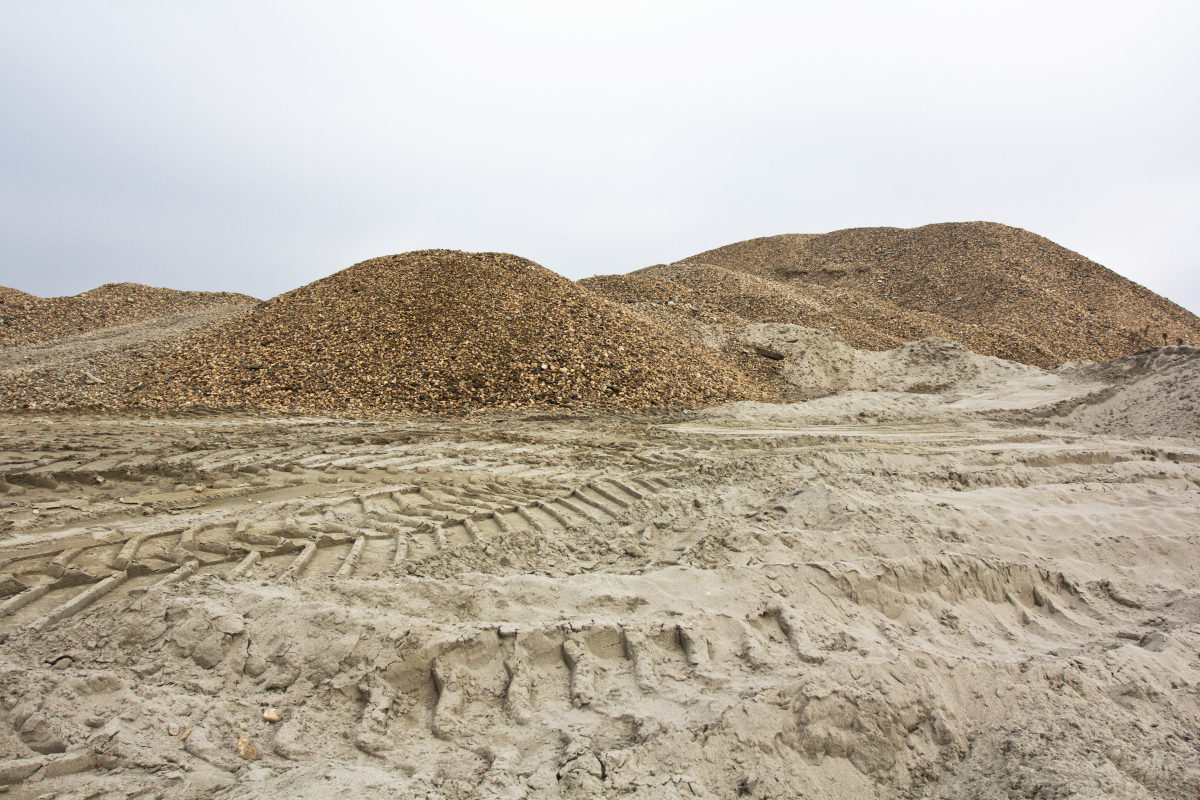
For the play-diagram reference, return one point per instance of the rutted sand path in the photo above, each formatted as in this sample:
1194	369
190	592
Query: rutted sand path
649	606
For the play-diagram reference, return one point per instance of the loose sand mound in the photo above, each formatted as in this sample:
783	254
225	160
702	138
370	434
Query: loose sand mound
924	382
27	319
442	330
997	285
1157	394
820	362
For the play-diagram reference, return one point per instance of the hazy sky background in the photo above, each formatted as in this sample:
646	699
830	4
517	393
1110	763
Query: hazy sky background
257	146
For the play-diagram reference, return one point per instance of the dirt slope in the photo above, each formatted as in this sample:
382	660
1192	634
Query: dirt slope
26	319
995	284
441	330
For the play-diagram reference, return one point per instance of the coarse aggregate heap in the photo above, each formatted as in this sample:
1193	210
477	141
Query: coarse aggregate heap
707	294
441	331
27	319
999	290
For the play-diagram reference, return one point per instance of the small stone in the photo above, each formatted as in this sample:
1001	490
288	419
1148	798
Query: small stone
272	715
767	352
247	750
172	729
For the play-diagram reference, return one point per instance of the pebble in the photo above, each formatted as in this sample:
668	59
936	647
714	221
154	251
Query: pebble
246	749
272	715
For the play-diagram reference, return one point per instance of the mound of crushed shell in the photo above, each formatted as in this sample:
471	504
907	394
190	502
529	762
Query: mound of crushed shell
441	330
1001	291
27	319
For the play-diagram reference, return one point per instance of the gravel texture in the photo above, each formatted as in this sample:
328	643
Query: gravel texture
998	290
95	370
26	319
441	330
706	294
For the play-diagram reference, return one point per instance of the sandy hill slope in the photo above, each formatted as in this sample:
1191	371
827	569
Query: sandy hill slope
983	274
441	330
27	319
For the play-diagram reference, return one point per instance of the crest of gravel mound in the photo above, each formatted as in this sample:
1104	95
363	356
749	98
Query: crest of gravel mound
441	331
26	319
1000	291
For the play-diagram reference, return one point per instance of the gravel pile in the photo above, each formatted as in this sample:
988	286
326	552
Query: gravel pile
441	331
26	319
1007	292
95	370
706	294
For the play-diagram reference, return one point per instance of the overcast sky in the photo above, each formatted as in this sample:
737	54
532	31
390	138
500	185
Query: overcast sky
257	146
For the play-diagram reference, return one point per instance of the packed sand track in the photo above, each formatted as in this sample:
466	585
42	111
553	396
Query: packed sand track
940	600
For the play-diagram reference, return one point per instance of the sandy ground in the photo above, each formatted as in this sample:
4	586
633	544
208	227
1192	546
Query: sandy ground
979	580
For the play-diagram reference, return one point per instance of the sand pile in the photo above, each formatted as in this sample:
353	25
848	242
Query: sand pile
441	330
26	319
1155	393
819	362
922	382
1001	283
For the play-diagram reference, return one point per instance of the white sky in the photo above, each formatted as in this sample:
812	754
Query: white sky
257	146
